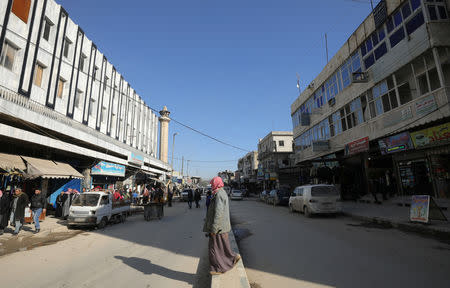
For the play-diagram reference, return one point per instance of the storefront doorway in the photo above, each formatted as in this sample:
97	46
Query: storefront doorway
415	177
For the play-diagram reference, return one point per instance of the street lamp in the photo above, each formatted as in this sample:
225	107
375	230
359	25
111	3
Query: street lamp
173	147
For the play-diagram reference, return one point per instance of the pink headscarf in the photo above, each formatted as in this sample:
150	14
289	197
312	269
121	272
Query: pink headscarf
216	183
1	193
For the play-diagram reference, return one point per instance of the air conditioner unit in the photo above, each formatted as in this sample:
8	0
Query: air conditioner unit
332	101
360	77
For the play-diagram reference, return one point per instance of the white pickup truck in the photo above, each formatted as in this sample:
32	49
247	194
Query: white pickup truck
97	209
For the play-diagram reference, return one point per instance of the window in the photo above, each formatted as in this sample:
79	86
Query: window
94	73
8	55
21	8
67	43
47	28
281	143
105	83
415	23
423	84
404	93
437	12
380	51
78	96
82	62
92	107
397	36
39	71
61	83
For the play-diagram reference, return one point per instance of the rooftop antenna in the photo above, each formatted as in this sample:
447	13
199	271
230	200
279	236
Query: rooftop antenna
326	45
298	83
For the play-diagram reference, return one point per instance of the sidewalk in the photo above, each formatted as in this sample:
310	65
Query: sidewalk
397	216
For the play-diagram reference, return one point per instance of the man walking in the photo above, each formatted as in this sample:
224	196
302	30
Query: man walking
19	202
38	205
217	225
197	198
190	196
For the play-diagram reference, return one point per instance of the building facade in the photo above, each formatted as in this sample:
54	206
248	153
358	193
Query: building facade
382	104
248	167
274	152
60	97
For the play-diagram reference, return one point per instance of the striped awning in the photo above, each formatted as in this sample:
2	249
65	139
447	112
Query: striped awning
9	162
49	169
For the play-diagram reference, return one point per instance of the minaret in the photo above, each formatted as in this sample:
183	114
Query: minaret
164	134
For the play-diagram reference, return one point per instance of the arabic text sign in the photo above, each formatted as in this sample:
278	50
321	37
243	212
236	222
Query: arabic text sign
357	146
419	208
108	169
396	143
431	136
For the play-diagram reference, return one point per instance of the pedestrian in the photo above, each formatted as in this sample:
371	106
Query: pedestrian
169	197
217	225
197	198
5	205
190	196
59	204
19	203
38	205
208	199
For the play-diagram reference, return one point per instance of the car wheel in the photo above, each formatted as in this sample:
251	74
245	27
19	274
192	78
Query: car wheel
102	223
306	211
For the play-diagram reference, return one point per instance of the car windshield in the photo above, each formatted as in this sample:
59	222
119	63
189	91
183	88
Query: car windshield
284	192
236	191
86	200
322	191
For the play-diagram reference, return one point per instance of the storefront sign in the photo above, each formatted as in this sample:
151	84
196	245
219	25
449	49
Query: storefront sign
136	159
273	176
396	143
108	169
358	146
425	106
397	117
419	208
431	136
320	146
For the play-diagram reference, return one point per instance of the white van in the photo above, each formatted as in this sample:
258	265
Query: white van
315	199
97	209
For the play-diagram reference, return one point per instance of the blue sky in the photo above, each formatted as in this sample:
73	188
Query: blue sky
227	68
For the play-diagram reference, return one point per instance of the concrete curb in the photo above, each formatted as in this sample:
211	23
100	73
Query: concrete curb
240	269
409	227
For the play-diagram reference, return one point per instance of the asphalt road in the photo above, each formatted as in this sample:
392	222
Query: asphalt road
171	252
281	249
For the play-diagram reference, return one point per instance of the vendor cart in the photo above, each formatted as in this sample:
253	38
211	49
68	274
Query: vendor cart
153	211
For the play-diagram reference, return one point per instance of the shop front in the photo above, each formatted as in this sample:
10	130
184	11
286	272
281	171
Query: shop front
426	170
106	175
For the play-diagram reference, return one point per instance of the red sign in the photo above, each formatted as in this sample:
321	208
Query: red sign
357	146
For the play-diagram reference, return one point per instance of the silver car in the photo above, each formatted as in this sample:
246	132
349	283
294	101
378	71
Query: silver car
315	199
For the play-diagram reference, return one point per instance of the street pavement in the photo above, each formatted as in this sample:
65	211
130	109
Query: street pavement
283	249
171	252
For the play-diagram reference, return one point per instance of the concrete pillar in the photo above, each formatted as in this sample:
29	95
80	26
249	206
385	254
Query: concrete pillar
164	134
86	182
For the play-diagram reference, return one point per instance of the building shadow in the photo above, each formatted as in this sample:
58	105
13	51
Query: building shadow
147	267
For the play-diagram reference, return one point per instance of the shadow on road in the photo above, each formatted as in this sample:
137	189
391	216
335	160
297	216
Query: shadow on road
148	268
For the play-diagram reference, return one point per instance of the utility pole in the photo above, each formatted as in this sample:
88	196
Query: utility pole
182	166
371	4
187	168
173	148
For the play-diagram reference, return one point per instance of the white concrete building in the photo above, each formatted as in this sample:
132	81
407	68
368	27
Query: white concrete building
388	84
248	167
59	91
274	152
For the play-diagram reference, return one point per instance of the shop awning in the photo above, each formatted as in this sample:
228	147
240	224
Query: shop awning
10	162
49	169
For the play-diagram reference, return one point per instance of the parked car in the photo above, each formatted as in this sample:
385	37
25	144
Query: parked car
263	195
184	194
315	199
236	194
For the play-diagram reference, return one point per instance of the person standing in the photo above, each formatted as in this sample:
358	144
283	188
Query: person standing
190	196
59	204
169	197
19	203
197	198
38	205
5	205
208	199
217	225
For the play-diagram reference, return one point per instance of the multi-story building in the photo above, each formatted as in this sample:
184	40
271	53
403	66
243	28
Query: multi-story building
274	152
248	168
379	111
61	99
